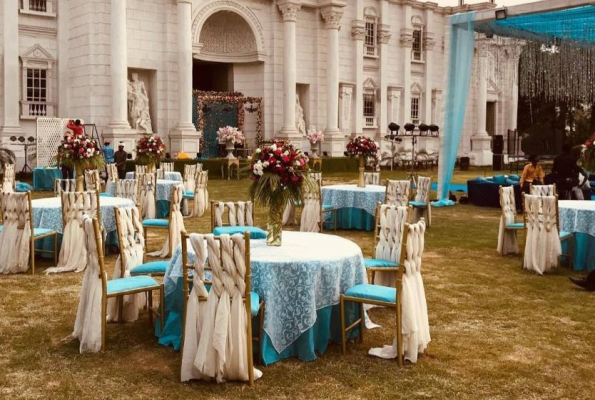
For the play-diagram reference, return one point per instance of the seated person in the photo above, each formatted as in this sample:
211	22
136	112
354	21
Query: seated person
532	174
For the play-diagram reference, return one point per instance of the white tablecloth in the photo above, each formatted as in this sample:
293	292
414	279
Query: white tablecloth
577	216
307	273
351	196
47	213
170	176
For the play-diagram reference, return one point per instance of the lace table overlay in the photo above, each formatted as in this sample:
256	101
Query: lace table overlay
169	176
164	188
47	213
307	273
577	216
345	196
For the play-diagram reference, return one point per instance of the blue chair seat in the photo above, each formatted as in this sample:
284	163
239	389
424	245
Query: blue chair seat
1	228
373	292
153	267
327	207
376	263
565	235
41	231
189	194
515	225
254	303
419	204
105	194
130	283
160	223
255	232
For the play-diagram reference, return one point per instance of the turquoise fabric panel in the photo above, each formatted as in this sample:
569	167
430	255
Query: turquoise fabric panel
254	303
106	194
373	292
188	194
376	263
41	231
22	187
584	251
499	179
255	232
163	208
564	235
350	218
130	283
417	204
516	225
43	178
1	228
153	267
161	223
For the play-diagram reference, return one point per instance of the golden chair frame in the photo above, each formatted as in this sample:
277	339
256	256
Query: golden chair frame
171	206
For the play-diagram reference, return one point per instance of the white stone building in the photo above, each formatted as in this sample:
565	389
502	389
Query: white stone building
355	65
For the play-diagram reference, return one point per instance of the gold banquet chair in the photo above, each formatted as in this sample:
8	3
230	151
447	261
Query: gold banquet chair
64	186
240	218
421	202
198	283
166	166
314	211
372	178
507	233
200	195
397	193
9	179
174	223
543	190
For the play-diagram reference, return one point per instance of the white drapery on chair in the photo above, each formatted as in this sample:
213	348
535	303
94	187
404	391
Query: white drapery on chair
15	238
507	238
397	193
148	193
87	326
189	177
311	213
289	212
543	190
372	178
220	350
542	247
139	169
415	325
201	192
64	186
421	202
9	179
127	189
316	177
160	174
167	166
132	247
176	224
238	213
112	172
92	180
390	233
73	253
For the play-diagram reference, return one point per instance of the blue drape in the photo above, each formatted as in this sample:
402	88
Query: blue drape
462	42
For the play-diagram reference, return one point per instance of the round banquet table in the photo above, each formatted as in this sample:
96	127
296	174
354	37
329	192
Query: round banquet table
170	176
578	217
300	283
164	189
356	207
47	214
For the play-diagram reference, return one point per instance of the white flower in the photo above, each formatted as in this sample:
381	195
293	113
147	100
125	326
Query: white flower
258	151
265	164
274	147
286	153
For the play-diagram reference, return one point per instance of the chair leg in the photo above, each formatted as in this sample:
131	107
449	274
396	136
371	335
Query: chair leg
150	298
343	333
362	322
399	335
56	249
162	307
32	255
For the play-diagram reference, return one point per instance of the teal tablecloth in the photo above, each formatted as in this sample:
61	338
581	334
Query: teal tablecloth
578	217
43	178
350	218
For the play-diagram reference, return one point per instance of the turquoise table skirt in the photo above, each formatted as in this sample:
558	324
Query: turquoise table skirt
584	251
351	218
43	178
47	244
163	208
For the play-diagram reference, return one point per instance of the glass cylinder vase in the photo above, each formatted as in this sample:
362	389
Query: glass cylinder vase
275	224
362	167
80	178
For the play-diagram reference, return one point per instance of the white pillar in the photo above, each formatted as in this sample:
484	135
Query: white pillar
332	18
407	44
481	153
63	56
184	136
383	38
119	69
289	10
358	33
428	44
10	74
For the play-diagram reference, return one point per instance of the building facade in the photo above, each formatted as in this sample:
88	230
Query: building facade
346	67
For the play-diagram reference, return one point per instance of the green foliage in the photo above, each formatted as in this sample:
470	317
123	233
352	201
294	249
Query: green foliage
269	192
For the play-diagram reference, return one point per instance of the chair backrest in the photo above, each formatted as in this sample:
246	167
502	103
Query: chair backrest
390	225
540	212
127	189
372	178
16	207
112	172
543	190
175	203
147	184
160	174
9	179
167	166
199	167
507	203
317	176
240	213
95	250
92	180
397	193
130	232
415	243
139	169
64	185
201	180
190	171
76	204
423	188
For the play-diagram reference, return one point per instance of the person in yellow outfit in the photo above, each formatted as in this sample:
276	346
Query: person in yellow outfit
182	155
532	174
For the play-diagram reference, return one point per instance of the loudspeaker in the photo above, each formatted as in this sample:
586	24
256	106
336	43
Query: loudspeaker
464	163
497	144
498	162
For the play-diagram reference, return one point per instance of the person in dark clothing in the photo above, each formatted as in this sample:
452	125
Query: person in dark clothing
566	173
587	283
120	158
67	172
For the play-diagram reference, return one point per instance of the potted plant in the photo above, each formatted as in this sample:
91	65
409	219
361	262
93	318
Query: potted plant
230	136
364	148
80	153
149	150
315	138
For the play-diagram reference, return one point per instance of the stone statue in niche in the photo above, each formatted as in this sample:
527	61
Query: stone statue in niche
300	123
138	105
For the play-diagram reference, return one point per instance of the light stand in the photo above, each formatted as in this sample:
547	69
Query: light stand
26	146
410	131
392	139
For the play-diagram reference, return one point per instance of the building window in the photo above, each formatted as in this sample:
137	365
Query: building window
415	110
36	84
370	109
417	48
37	5
370	39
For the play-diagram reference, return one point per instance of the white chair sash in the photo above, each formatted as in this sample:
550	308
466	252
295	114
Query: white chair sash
64	186
112	172
542	247
238	213
9	180
543	190
92	180
289	214
372	178
15	238
201	193
317	177
167	166
390	235
189	177
139	169
176	223
397	193
422	194
310	220
507	238
127	189
148	187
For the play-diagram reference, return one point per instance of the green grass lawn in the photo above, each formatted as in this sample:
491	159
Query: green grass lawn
498	331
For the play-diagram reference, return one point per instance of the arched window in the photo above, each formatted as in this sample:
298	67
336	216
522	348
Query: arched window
417	50
371	37
416	103
370	94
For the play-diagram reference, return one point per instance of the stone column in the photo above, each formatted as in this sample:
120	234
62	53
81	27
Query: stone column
184	136
358	33
428	46
118	124
406	44
11	125
345	109
383	38
289	10
481	153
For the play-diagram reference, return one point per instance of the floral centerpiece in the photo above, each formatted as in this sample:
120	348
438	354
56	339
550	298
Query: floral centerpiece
149	150
588	155
80	152
315	138
364	148
230	136
279	173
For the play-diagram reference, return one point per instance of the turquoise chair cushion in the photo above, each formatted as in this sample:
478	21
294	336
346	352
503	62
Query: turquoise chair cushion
564	235
376	263
161	223
419	204
254	303
255	232
499	179
373	292
188	194
41	231
130	283
149	268
514	177
328	207
1	228
105	194
516	225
